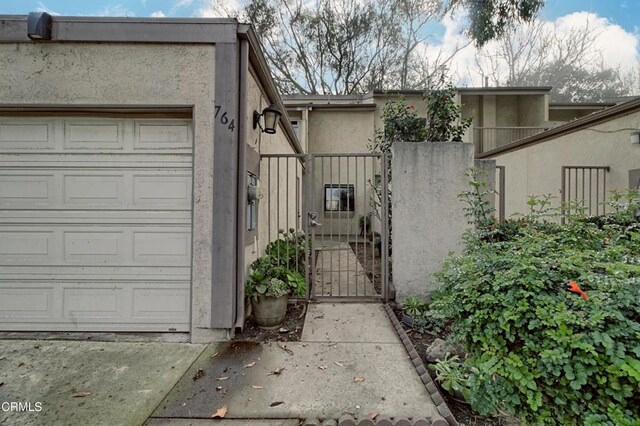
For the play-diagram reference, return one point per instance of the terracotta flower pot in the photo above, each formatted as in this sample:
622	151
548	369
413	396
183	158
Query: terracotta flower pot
269	311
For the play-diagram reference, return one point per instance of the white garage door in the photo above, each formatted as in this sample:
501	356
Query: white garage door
95	224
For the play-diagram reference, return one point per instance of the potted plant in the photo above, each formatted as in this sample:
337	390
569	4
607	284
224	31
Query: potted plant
273	278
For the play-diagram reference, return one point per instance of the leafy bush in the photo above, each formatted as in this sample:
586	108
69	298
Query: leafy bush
453	376
536	349
413	306
280	271
289	250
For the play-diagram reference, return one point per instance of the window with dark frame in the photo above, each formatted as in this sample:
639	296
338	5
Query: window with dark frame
339	198
252	206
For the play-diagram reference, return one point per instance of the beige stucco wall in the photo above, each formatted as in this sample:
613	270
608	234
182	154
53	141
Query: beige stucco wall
143	74
428	217
507	111
532	110
280	191
536	169
341	131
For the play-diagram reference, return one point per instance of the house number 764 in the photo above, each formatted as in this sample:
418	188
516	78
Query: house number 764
224	119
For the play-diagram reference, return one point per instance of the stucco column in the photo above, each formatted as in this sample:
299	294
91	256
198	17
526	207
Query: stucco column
428	217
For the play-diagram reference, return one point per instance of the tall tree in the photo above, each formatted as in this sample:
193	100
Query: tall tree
541	54
344	46
489	19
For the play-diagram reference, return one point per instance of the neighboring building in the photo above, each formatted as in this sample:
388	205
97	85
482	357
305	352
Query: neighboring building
580	161
347	124
125	151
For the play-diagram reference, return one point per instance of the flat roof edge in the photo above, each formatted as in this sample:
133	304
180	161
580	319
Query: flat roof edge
13	28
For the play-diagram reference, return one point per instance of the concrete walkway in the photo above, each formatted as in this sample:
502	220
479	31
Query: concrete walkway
350	361
338	271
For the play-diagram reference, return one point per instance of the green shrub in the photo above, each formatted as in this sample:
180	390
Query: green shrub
535	349
413	306
281	270
289	249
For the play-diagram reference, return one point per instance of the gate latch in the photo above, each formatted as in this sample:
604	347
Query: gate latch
312	220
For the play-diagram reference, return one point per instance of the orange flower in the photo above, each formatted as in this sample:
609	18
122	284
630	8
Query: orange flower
574	287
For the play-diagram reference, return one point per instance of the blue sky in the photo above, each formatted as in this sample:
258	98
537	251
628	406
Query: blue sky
622	12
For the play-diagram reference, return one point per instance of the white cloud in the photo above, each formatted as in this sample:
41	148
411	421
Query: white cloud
619	47
158	14
218	8
42	8
115	10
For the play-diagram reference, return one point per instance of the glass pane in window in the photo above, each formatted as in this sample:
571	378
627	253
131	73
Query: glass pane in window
339	198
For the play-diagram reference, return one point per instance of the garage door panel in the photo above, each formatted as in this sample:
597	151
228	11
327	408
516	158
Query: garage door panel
162	189
160	303
20	303
27	135
162	248
162	136
92	303
96	245
96	189
88	134
96	217
95	224
26	246
114	305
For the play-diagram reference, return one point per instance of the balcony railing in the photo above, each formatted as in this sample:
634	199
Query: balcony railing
488	138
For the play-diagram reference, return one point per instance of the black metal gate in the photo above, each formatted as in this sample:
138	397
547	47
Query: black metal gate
341	203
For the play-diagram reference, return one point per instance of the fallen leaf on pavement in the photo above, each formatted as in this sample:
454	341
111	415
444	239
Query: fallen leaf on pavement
322	367
275	404
284	348
250	365
198	375
338	364
257	387
81	394
276	371
220	412
222	378
358	379
373	415
21	364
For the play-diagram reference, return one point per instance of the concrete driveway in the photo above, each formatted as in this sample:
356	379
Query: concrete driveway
87	383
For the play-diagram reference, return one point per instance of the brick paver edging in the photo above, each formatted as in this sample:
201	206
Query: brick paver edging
442	407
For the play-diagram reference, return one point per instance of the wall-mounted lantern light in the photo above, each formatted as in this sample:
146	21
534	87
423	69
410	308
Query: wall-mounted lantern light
271	116
39	26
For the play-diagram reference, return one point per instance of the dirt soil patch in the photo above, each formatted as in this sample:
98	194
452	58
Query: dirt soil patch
289	331
461	410
370	262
